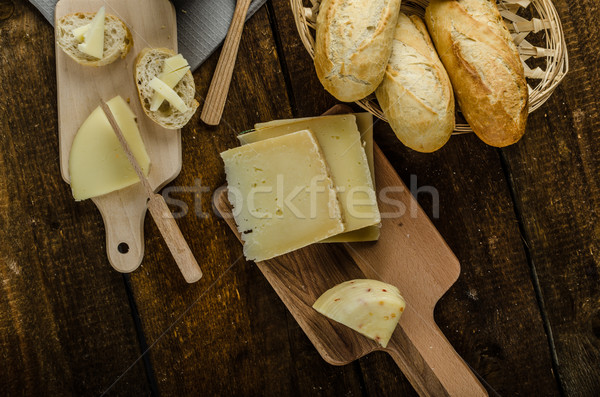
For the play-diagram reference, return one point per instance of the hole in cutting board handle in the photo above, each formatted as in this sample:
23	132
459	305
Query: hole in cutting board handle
123	248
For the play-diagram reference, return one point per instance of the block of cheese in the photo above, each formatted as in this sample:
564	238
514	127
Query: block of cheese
351	170
364	122
168	93
97	163
370	307
282	195
93	39
174	68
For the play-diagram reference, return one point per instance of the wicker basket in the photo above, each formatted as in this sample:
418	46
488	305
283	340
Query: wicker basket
543	27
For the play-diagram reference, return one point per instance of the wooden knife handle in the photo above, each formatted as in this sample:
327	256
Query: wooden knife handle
175	241
219	86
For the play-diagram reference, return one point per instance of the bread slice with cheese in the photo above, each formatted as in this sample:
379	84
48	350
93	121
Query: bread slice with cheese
150	65
117	38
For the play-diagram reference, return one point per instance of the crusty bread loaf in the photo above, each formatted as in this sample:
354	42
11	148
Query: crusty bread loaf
149	64
353	45
117	38
484	66
415	94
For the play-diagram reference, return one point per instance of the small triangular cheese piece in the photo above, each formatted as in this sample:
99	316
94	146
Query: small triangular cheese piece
97	163
80	32
93	40
168	93
370	307
174	68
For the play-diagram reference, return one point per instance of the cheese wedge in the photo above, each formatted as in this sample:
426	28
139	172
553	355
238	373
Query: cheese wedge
364	122
342	147
80	32
370	307
282	195
93	40
97	163
168	93
174	68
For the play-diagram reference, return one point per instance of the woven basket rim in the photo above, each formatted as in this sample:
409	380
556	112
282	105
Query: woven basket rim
545	19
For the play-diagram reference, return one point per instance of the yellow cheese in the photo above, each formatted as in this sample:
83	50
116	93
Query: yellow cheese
93	40
364	121
342	147
80	32
97	163
174	68
369	307
282	195
168	93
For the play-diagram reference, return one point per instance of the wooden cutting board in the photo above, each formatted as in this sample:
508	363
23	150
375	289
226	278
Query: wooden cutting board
152	24
411	255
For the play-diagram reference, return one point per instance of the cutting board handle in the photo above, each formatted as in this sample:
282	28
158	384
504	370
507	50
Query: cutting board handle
431	364
124	224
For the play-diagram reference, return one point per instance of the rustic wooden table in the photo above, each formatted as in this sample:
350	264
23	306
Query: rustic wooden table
523	221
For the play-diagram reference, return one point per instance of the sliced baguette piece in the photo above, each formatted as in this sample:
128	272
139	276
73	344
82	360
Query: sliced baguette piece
415	94
149	64
117	38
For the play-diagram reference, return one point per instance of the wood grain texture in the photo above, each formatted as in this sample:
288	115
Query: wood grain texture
412	257
219	85
80	89
65	323
554	172
65	326
237	336
161	214
477	220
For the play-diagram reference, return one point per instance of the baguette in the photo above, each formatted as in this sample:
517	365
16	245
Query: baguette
353	45
149	64
484	66
117	38
416	94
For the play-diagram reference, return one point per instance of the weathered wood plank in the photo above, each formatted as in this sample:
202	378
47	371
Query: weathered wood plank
490	315
237	338
554	171
65	322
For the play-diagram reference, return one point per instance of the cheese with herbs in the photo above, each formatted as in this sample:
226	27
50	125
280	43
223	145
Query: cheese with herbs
370	307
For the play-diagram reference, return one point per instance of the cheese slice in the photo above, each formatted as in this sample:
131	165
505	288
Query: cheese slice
174	68
80	32
370	307
282	195
97	163
93	40
342	147
169	94
364	122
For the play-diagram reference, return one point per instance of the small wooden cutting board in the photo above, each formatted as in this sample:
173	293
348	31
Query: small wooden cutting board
152	24
411	255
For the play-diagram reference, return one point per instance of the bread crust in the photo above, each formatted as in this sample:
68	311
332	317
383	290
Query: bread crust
68	43
172	118
416	95
353	45
484	66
